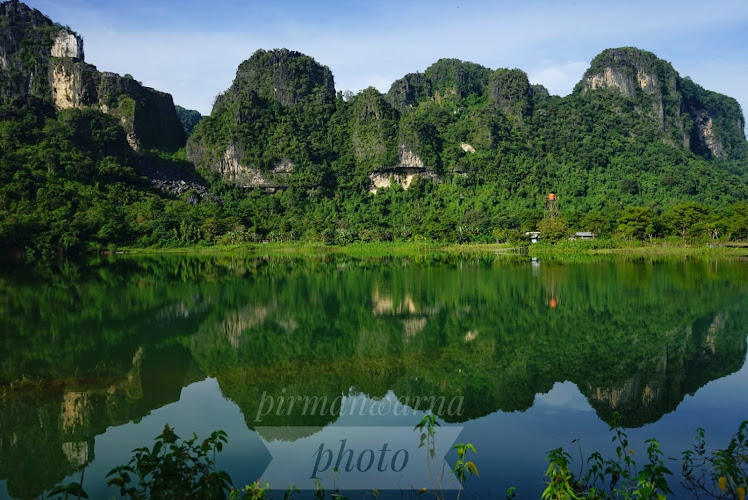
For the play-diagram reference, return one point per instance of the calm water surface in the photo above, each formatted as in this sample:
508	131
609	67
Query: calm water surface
95	358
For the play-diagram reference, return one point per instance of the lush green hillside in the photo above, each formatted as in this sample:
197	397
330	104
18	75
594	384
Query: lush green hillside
459	152
189	118
469	153
25	46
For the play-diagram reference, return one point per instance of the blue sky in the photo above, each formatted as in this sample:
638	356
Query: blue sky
192	48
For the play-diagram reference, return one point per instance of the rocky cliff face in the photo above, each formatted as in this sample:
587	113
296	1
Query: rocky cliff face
147	115
640	75
511	91
446	76
283	75
280	119
231	168
269	122
271	127
628	69
717	122
26	39
705	122
387	145
68	45
41	58
401	176
408	167
509	98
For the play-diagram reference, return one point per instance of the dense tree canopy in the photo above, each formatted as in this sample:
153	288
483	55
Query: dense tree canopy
457	153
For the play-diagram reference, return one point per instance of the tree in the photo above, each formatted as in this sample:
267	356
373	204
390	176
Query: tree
594	222
553	229
684	216
636	222
737	221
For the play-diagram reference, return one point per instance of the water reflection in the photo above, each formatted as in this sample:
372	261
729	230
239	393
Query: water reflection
99	345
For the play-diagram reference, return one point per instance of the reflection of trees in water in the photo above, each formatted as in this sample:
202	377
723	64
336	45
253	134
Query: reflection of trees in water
709	348
412	328
47	428
111	343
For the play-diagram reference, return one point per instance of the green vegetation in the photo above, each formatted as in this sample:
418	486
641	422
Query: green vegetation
174	468
463	469
65	178
719	473
122	336
287	159
620	474
27	38
189	119
724	469
615	170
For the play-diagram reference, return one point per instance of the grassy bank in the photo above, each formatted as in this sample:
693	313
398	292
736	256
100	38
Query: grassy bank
301	249
636	248
405	249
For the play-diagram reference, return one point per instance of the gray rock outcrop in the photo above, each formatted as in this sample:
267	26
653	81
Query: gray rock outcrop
705	122
46	60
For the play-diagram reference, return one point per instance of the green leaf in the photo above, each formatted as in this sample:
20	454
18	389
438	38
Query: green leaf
472	468
69	489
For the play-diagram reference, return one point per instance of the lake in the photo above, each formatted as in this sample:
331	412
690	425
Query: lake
514	356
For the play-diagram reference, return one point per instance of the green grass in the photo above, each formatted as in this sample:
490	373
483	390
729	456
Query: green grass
665	247
404	249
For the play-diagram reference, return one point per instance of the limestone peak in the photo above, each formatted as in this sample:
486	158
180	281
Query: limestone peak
68	44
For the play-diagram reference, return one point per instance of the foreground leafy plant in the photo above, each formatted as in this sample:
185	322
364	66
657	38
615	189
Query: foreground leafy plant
70	490
721	474
175	468
256	491
620	473
463	468
561	481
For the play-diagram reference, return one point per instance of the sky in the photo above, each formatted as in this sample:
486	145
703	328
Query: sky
191	48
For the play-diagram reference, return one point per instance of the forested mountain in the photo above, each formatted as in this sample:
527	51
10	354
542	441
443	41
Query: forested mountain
189	118
461	119
46	60
459	152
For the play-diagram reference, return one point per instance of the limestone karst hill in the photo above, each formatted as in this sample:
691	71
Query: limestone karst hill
280	123
46	60
458	152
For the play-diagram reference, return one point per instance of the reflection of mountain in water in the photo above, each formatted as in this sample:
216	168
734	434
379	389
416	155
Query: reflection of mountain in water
113	342
47	428
683	367
635	339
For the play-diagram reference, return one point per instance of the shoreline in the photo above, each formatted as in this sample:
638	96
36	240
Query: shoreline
407	249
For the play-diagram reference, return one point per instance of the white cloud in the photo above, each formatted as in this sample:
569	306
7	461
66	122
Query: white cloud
559	79
364	44
193	67
563	395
